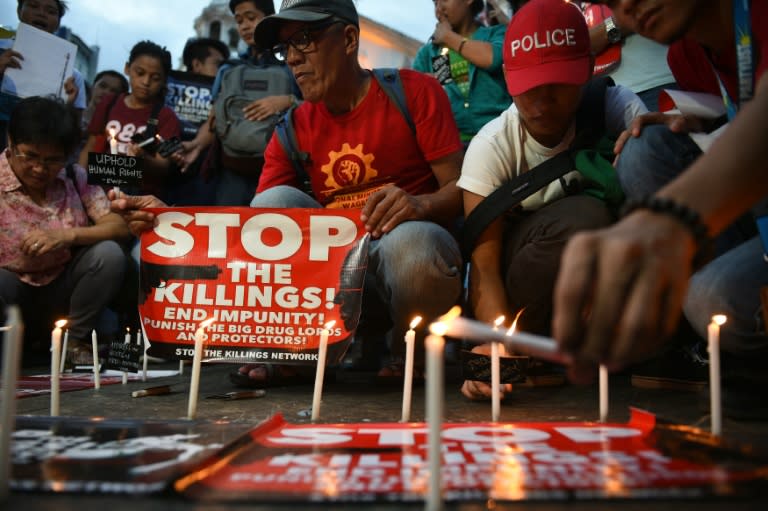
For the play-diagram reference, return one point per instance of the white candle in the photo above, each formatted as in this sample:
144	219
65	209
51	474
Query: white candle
112	141
55	361
144	357
603	383
322	351
435	345
715	403
410	341
475	331
64	350
496	375
11	359
194	384
96	364
127	340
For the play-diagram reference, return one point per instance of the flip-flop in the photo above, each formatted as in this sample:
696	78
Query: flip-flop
301	375
477	367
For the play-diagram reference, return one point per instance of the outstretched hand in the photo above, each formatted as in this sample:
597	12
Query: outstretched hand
131	209
620	291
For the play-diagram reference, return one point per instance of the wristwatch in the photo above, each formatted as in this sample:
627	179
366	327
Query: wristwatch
612	32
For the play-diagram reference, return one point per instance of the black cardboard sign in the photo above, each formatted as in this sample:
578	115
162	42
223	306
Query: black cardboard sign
110	170
124	357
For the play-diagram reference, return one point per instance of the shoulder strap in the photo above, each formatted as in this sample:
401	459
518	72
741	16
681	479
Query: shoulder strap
152	122
590	126
392	85
286	135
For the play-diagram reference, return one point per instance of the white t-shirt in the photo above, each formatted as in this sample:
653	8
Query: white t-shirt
504	149
643	64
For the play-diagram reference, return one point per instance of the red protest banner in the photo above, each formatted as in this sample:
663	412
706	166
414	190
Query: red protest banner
500	461
271	279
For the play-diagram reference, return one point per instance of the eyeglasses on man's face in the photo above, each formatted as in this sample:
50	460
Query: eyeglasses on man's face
303	39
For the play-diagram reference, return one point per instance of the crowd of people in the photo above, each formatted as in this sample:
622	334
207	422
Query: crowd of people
622	255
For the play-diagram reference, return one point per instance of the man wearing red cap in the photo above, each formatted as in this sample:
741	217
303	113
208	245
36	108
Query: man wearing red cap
547	62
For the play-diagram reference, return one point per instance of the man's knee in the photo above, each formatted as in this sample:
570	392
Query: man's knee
283	197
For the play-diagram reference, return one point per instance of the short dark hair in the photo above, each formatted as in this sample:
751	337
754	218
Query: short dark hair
45	121
477	7
61	4
111	72
265	6
200	47
152	50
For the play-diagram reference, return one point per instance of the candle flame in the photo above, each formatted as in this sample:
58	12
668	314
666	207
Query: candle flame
498	321
513	328
719	319
112	132
329	325
60	323
438	328
207	323
415	322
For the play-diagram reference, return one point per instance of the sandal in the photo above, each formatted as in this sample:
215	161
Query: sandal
393	374
477	367
277	375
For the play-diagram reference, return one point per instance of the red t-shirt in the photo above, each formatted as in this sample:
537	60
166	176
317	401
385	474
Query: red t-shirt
127	122
691	66
355	154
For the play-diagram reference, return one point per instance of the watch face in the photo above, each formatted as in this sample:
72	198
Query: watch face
614	35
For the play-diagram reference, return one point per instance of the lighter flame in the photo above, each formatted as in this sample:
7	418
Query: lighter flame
513	328
415	322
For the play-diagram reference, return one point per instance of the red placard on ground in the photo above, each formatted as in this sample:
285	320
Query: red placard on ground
271	279
502	461
610	58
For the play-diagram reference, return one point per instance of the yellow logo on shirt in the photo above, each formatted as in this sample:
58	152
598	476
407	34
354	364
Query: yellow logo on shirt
348	167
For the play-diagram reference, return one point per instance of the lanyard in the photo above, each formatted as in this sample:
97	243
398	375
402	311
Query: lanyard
745	59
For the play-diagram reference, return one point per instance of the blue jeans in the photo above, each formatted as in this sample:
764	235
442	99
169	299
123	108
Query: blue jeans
730	285
415	267
653	159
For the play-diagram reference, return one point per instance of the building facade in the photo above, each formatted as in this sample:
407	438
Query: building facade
380	46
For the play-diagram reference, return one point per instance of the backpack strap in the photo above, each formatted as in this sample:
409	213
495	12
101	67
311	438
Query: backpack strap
590	126
286	135
390	82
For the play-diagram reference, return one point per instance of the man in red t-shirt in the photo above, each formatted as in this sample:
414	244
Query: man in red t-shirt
363	154
645	261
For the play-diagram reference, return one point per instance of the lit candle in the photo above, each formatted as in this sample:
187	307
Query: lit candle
112	141
322	351
435	345
55	361
603	377
475	331
410	341
194	385
11	359
64	350
95	348
127	340
715	403
496	374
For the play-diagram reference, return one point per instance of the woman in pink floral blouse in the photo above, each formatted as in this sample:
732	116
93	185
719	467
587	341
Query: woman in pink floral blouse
59	255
